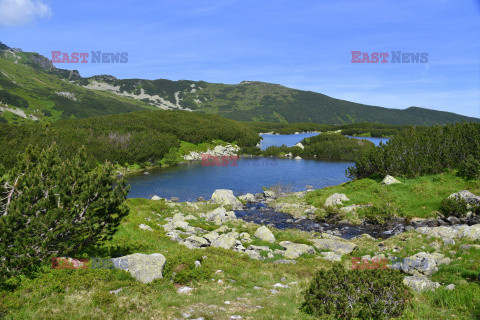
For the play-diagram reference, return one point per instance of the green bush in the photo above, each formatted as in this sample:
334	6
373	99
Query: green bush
456	207
421	152
356	294
53	207
331	146
470	168
182	269
381	214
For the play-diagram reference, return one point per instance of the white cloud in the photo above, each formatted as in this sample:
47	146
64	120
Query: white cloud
19	12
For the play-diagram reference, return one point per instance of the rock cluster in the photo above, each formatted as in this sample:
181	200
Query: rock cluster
421	264
218	151
451	232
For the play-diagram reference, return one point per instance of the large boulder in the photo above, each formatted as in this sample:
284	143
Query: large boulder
263	233
143	267
295	250
466	195
224	241
336	199
220	215
211	236
226	197
197	242
300	145
418	283
388	180
248	197
421	264
337	246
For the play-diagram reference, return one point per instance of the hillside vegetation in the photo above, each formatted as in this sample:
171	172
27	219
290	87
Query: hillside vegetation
421	152
139	137
31	88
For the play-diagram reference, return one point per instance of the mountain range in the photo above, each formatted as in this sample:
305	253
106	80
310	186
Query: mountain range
33	89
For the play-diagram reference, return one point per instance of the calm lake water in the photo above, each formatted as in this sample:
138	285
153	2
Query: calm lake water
249	175
192	180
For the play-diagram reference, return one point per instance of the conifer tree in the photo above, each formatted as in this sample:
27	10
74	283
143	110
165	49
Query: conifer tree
53	207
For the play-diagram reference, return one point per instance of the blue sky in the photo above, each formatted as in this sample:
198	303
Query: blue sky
300	44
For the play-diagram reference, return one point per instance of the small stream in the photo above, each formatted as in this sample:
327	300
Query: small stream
262	214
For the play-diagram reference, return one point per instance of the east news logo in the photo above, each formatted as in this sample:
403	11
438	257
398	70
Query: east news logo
95	57
395	57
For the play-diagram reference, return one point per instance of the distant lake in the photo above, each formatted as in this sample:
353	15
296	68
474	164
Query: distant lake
292	139
287	139
191	180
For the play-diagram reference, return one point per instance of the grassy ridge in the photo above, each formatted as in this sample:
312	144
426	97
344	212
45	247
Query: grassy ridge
47	97
30	83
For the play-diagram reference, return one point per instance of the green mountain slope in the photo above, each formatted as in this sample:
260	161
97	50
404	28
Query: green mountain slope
29	92
29	83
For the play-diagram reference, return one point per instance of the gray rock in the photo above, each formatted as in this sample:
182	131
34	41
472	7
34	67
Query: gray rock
421	264
143	267
211	236
248	197
184	290
174	236
364	236
418	283
263	233
331	256
245	237
174	199
226	197
450	287
254	254
466	195
300	145
297	158
198	242
259	248
156	198
220	215
269	194
338	246
295	250
388	180
336	199
224	241
145	227
450	232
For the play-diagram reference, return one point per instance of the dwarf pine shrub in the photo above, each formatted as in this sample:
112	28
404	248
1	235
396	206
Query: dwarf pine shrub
456	207
356	294
53	207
